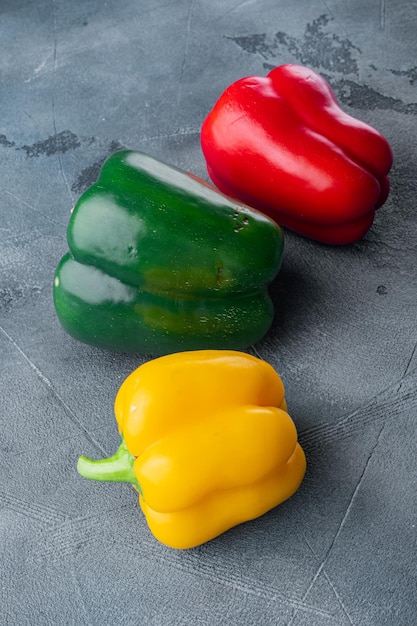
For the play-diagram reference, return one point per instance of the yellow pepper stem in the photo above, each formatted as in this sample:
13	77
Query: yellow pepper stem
117	468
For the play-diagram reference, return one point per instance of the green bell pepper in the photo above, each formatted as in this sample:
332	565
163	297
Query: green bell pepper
160	261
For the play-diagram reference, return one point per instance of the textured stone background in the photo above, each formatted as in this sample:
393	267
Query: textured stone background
81	79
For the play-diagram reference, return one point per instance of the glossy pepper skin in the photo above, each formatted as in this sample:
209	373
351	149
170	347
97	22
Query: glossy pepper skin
282	144
207	442
160	261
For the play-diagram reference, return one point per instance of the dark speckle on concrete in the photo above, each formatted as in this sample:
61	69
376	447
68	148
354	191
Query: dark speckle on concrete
5	142
89	175
255	44
316	48
411	74
54	144
364	97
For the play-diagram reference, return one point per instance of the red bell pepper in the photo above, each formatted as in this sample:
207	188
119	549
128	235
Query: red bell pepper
283	145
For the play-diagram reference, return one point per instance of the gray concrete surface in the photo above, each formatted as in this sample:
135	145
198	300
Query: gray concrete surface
81	79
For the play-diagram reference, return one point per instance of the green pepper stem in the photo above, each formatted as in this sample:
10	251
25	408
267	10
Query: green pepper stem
117	468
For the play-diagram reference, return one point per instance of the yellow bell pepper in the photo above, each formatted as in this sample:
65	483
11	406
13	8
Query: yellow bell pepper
207	442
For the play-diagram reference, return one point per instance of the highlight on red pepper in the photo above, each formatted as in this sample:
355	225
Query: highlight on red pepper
207	442
161	261
282	144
